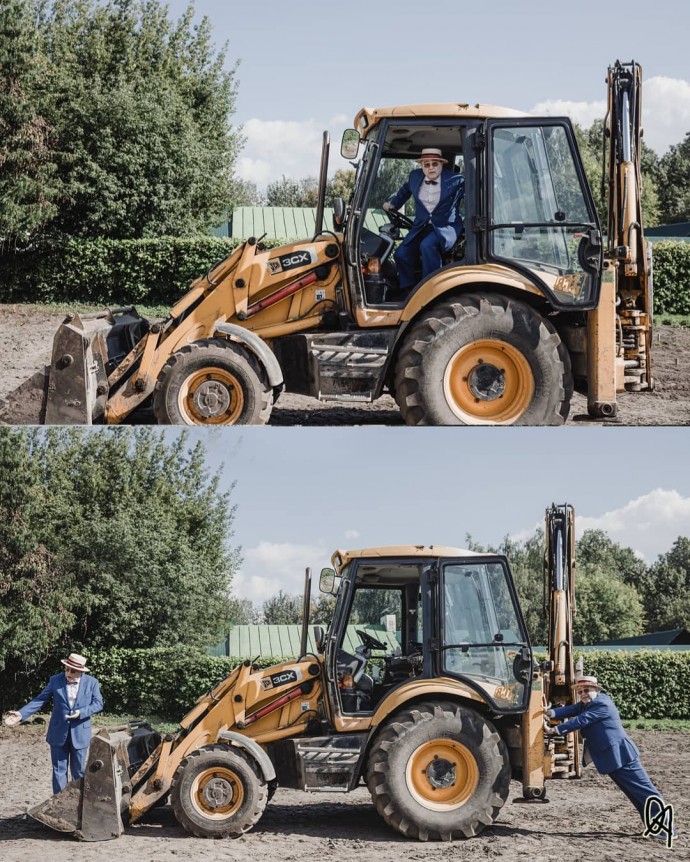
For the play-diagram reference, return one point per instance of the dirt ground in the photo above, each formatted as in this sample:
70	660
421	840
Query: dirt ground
589	818
26	336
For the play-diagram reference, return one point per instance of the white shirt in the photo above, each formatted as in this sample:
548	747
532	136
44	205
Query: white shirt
429	194
72	689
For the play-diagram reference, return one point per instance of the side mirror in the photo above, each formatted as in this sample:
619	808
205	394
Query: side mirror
349	146
327	581
338	212
319	636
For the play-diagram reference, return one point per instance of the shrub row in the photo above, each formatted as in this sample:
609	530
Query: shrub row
159	271
110	272
168	681
671	262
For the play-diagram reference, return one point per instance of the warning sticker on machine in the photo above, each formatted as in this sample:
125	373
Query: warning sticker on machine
275	680
293	260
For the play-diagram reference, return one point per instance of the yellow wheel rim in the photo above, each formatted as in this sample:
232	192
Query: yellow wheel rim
488	382
217	793
211	396
442	774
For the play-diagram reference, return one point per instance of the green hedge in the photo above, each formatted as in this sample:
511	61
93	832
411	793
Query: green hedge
645	684
159	271
110	272
671	277
167	682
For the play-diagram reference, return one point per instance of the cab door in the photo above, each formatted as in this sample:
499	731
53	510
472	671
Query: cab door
541	219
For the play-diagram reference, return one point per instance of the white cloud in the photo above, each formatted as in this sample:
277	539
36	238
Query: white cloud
649	524
277	147
270	567
665	111
352	534
584	113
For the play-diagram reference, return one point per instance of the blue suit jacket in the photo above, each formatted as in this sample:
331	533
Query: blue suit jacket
88	702
600	725
445	219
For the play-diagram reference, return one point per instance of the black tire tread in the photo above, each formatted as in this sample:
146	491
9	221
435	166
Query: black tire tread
209	345
251	818
423	335
378	774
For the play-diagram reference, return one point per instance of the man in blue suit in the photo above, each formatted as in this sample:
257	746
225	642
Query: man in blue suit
76	697
437	193
606	742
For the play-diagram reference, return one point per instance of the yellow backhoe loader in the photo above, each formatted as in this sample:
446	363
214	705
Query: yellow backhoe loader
436	708
530	304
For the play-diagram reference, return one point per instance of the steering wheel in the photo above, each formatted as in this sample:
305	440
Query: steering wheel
399	219
368	641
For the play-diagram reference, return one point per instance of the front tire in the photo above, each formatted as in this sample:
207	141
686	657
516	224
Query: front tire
216	793
483	360
438	771
212	382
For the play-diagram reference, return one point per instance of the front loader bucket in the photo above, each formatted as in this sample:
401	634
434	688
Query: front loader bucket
86	350
90	806
77	382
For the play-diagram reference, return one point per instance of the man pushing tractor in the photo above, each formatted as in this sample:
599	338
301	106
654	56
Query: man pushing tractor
435	715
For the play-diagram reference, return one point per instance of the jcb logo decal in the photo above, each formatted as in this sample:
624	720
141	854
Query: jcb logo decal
304	257
277	679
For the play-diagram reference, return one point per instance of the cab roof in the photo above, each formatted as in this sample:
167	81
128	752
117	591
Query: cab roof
341	558
367	118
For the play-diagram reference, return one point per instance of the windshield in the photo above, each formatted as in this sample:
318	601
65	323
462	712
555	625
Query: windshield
539	211
482	635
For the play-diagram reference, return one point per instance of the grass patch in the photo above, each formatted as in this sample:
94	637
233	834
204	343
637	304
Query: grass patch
673	319
84	308
110	721
682	724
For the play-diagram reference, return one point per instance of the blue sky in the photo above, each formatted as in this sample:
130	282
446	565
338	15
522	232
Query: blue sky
303	492
310	65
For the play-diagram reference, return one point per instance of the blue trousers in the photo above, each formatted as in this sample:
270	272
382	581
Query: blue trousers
429	246
60	757
636	784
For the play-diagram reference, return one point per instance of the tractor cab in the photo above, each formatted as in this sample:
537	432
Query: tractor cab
405	615
527	205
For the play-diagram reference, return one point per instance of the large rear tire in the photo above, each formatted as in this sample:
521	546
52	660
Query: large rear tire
212	382
438	771
483	360
217	793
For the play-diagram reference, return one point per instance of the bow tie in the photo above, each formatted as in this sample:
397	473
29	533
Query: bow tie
430	182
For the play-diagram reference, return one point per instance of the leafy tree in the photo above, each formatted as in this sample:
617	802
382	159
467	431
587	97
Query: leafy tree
607	609
527	565
608	605
139	109
37	596
244	193
392	173
241	612
287	192
340	186
666	589
674	190
321	610
28	190
142	529
282	609
596	551
590	143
